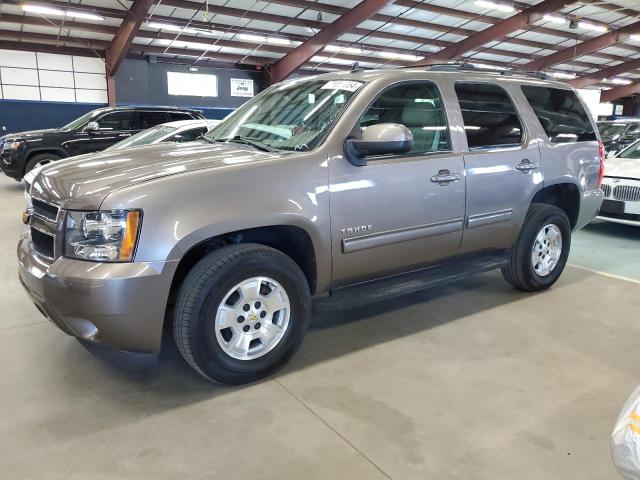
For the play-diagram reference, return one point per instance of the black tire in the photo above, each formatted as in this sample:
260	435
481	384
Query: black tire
41	157
520	272
203	290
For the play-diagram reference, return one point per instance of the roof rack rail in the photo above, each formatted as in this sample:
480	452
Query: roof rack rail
458	66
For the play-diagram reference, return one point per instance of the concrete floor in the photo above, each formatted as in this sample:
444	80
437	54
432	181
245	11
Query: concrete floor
472	380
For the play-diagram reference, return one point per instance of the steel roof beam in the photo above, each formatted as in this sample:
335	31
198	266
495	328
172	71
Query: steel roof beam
619	92
516	22
585	48
121	42
304	52
600	75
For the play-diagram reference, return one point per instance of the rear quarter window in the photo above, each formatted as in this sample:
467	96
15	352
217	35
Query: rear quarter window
561	114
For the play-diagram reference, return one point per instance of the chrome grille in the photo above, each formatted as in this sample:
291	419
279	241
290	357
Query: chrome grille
627	193
44	209
606	189
43	243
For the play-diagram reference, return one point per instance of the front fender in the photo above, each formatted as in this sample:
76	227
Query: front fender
181	211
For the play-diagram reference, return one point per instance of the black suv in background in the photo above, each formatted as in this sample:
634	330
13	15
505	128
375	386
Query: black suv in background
94	131
619	134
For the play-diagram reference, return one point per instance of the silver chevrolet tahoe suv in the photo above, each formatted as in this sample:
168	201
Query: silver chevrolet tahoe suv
343	188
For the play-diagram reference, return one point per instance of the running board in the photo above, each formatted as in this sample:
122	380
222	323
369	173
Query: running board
416	281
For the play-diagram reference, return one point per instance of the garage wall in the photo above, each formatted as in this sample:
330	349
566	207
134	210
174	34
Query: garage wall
45	90
142	82
52	77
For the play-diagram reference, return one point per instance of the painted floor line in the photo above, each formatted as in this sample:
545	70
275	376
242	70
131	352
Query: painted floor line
599	272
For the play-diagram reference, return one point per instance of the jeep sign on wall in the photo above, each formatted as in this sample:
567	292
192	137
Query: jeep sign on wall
241	87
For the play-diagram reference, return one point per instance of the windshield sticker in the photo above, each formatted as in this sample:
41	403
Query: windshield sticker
348	85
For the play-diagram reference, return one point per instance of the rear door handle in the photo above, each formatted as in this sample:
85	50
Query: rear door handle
525	166
444	177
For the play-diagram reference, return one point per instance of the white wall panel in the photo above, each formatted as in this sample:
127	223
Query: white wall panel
91	80
12	58
53	61
88	65
91	96
19	76
53	78
50	78
15	92
57	94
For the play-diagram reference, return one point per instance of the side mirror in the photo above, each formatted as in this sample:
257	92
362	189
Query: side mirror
380	139
92	127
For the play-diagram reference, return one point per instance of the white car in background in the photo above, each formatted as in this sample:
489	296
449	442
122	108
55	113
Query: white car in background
621	186
177	132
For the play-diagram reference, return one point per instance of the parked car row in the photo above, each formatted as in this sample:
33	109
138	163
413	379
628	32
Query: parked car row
92	132
618	134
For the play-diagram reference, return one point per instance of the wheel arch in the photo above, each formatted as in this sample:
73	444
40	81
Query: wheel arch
59	152
565	196
291	240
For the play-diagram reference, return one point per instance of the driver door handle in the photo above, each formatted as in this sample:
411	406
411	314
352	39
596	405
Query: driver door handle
444	177
525	166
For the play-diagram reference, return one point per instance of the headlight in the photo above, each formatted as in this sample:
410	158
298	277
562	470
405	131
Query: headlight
102	236
13	144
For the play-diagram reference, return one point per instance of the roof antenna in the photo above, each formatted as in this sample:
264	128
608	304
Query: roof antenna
355	67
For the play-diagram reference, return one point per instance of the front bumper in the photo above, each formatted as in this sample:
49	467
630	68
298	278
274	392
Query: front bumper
622	201
12	163
116	305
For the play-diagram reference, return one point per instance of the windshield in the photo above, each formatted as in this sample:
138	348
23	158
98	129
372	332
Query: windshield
78	122
145	137
610	130
632	151
293	116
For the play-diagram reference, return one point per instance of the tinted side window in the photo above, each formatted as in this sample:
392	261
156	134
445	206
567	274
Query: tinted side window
417	106
116	121
187	135
151	119
175	116
490	118
561	114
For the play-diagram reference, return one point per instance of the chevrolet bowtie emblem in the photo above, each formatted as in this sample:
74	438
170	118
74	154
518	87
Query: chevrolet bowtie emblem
26	216
253	317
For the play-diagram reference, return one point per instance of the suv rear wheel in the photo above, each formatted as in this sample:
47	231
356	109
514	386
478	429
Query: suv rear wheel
242	312
540	254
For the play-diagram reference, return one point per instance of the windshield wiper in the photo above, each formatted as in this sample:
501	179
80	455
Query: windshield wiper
248	141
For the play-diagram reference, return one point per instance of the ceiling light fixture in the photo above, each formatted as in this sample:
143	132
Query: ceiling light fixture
554	19
593	27
175	28
503	7
635	38
60	13
562	75
339	49
399	56
620	81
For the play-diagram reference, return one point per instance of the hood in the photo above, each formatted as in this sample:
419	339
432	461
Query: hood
83	183
31	134
622	167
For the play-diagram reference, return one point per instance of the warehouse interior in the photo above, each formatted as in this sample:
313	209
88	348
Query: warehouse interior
470	378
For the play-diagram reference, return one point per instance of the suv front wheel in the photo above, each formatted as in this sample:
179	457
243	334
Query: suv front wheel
538	257
241	313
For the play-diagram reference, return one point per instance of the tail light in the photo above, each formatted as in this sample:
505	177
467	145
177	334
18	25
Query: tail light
601	155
